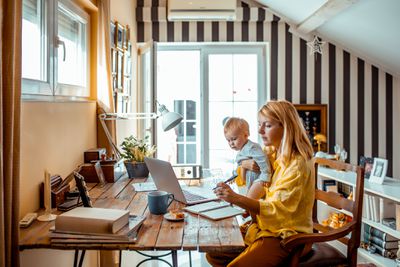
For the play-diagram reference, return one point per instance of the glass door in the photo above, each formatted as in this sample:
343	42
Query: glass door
206	84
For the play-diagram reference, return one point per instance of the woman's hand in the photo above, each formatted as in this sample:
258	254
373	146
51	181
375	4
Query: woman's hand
225	192
250	164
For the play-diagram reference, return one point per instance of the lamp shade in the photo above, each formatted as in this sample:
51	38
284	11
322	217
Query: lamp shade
169	119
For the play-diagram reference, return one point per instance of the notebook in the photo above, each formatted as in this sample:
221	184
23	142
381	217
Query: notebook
165	179
215	210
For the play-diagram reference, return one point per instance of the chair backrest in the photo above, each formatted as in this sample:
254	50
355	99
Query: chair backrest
297	243
337	201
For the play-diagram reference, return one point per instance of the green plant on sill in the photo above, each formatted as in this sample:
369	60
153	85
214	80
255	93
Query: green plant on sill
135	150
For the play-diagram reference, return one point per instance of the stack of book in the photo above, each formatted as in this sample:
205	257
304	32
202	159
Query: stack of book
89	225
380	242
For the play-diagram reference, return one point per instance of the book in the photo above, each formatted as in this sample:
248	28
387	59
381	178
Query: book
371	231
135	221
215	210
387	209
376	241
387	253
86	220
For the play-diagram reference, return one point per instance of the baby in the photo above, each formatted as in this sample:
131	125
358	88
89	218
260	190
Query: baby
236	132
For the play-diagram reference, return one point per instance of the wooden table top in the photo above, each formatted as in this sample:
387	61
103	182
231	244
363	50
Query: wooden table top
156	233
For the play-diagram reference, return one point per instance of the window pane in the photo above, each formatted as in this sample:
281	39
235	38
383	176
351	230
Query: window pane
245	77
220	66
33	63
218	112
190	110
72	66
191	131
181	154
190	154
222	159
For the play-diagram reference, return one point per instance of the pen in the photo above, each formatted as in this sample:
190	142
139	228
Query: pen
229	179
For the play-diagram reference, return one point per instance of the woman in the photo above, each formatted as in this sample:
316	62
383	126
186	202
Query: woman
287	207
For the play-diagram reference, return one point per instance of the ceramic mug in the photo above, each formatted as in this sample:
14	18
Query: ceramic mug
159	201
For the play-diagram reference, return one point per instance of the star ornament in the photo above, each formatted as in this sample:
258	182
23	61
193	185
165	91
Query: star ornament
315	46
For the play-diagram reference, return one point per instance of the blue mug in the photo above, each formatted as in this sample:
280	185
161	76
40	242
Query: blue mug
159	201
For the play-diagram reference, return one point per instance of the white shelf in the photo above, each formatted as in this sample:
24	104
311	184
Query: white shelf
382	227
389	189
376	259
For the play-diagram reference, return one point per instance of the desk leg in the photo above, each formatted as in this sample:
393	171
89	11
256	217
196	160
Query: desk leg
174	255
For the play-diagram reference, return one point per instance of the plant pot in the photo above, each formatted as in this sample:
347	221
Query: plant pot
136	169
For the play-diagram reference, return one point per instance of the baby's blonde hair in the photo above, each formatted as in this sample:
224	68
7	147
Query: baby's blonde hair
294	140
237	124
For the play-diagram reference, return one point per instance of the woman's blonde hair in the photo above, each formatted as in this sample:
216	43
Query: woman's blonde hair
237	124
294	140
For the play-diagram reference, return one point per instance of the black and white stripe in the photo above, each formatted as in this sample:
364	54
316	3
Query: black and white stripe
362	113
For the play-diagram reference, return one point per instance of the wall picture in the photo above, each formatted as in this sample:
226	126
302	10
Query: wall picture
314	118
119	35
379	170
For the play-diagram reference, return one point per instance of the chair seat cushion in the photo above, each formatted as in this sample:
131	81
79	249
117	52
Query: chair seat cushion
322	254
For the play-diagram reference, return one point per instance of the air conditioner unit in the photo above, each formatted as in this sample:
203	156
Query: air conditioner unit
199	10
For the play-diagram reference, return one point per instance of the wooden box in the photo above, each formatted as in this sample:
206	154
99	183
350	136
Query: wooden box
58	191
112	169
93	154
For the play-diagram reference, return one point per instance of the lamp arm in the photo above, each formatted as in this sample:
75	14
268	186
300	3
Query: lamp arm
117	153
121	116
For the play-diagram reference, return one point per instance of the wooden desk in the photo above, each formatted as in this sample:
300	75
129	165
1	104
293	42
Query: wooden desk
156	233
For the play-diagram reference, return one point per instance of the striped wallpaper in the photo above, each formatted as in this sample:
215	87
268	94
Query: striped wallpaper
363	100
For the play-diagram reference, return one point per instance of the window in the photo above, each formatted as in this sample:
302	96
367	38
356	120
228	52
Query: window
206	84
55	38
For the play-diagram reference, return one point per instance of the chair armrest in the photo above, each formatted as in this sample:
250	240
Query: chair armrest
294	241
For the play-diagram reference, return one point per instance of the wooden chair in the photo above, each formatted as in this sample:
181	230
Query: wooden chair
323	254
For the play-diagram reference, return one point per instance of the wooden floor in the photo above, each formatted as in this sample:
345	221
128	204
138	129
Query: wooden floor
131	259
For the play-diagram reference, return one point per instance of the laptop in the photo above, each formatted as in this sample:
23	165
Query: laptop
165	179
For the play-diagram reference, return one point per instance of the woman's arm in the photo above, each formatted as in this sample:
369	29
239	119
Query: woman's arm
224	192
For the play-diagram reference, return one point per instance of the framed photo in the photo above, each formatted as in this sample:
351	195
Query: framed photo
379	170
119	35
127	36
367	163
112	34
114	61
314	118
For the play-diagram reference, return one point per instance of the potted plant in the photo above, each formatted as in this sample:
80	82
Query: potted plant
134	151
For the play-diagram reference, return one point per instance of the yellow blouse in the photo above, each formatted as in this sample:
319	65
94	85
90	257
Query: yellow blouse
287	207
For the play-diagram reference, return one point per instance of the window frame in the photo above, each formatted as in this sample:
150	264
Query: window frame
261	49
50	88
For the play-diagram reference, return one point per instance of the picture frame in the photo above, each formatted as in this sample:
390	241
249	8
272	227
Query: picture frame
367	163
114	61
314	118
112	34
119	35
379	170
127	36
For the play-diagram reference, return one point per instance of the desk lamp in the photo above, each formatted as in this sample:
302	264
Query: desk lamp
169	121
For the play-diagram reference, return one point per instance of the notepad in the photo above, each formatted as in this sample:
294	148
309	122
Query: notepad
215	210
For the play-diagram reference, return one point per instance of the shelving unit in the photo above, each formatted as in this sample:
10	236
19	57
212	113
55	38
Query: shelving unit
389	189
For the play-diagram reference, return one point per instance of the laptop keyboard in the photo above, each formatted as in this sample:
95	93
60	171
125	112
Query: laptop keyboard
192	197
